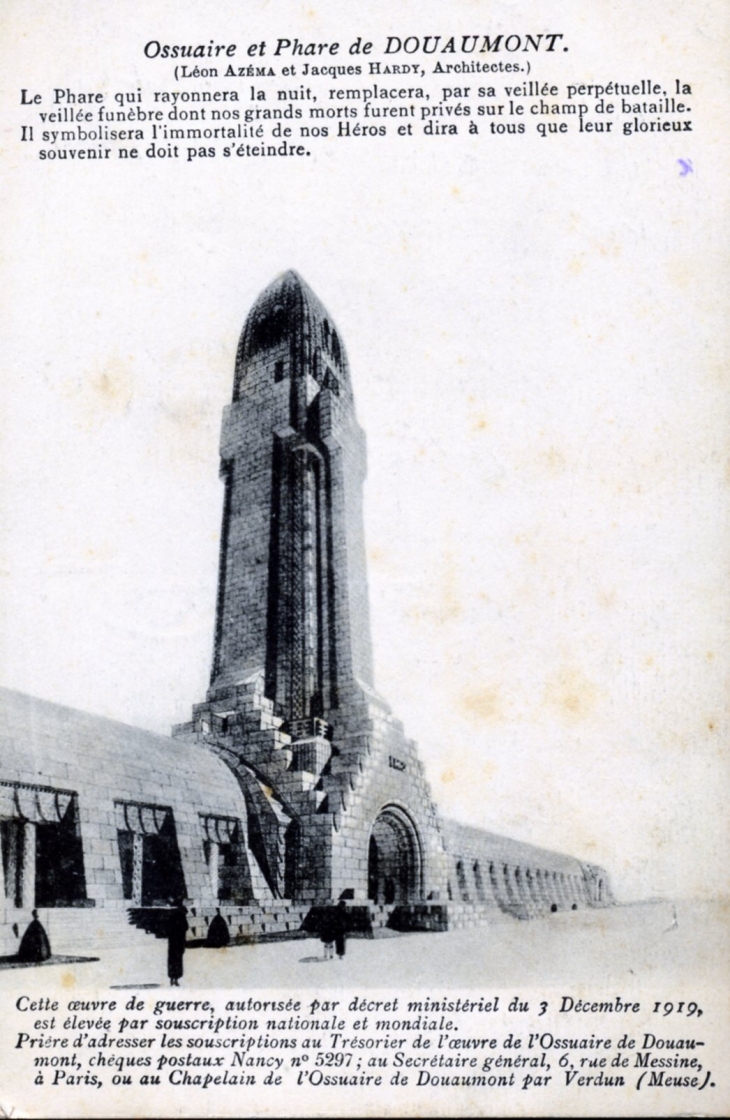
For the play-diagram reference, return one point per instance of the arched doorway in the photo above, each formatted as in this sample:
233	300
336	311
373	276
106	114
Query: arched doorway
394	858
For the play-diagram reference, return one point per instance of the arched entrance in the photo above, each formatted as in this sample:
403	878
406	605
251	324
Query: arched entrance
394	858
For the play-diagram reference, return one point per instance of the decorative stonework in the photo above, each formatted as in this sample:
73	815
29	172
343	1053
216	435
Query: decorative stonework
293	784
338	802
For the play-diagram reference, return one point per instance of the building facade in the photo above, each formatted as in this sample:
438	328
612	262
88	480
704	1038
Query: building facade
293	784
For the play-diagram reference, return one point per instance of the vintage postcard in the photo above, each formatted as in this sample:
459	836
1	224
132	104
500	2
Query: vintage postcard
363	720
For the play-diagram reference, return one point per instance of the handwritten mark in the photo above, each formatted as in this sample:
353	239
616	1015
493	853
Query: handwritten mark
687	168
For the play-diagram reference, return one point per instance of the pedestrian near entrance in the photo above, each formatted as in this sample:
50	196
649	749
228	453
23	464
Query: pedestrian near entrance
327	931
176	930
340	923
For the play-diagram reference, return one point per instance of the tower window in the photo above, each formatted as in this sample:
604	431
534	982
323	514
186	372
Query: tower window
279	371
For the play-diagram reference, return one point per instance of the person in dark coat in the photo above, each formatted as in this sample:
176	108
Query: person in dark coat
177	927
327	931
34	946
340	924
218	933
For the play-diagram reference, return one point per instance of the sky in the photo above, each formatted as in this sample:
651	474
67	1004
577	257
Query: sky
535	337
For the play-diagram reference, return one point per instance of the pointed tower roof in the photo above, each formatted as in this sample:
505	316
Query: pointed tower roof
289	311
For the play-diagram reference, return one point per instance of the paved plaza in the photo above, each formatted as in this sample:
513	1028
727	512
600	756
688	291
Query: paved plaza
634	945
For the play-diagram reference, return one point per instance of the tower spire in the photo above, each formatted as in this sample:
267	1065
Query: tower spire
292	597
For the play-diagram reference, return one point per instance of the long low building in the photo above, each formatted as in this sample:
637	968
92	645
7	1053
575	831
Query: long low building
293	784
97	817
99	820
520	879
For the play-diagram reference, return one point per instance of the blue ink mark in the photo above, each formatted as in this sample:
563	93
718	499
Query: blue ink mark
687	168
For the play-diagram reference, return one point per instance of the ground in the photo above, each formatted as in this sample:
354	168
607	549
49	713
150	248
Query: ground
635	945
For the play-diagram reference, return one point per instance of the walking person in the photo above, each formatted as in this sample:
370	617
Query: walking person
177	928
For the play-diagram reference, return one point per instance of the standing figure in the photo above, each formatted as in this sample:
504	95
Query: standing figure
340	923
177	927
34	946
326	926
218	933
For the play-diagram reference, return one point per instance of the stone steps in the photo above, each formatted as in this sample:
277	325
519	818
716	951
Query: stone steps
272	922
380	914
466	915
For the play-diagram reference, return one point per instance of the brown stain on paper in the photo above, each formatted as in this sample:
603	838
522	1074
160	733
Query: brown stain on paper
447	605
571	694
552	461
481	705
106	393
113	387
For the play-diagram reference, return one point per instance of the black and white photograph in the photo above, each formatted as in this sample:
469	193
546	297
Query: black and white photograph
364	663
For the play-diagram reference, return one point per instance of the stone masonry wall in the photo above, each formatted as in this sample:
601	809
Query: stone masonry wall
518	878
247	447
104	762
377	767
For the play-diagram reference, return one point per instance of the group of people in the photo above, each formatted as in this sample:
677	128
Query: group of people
332	928
332	925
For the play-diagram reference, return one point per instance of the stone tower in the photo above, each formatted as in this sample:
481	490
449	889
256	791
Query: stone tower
336	796
292	585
